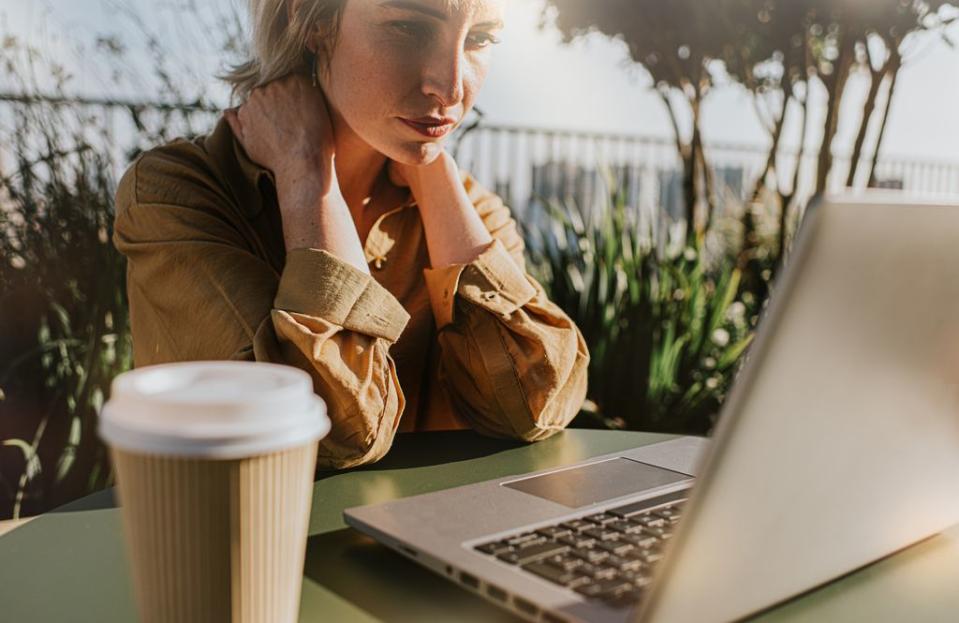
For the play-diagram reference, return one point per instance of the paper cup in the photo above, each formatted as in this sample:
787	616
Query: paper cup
214	464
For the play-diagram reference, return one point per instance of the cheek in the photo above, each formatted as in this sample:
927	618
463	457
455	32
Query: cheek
361	85
473	78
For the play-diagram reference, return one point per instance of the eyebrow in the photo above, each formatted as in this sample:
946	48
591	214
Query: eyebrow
419	8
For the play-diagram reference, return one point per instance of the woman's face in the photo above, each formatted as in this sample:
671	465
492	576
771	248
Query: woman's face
404	73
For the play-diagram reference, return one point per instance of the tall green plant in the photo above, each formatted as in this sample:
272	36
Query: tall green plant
665	328
63	311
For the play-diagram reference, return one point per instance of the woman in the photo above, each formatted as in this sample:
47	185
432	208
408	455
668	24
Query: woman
322	225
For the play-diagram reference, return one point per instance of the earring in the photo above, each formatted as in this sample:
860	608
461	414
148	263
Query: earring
314	70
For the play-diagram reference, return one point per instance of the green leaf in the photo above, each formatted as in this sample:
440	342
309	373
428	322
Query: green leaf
29	456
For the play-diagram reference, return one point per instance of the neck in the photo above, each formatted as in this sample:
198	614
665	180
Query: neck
357	164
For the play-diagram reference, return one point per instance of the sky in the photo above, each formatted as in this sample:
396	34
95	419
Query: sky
535	80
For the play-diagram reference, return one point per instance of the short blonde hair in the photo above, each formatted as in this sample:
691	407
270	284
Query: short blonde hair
280	41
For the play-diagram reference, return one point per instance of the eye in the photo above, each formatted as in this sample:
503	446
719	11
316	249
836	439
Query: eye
414	30
481	40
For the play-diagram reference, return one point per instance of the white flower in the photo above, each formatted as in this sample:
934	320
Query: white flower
720	337
712	382
709	362
736	311
689	254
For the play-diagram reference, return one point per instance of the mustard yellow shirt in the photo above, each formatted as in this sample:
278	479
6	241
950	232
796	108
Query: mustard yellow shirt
409	348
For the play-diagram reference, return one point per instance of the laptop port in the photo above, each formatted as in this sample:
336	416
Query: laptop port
524	606
549	617
496	592
469	580
409	551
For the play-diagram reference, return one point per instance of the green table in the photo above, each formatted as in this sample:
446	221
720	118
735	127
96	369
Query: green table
69	565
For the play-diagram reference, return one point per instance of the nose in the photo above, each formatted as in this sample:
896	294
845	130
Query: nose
443	77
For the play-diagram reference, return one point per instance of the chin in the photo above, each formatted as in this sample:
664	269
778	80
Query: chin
416	153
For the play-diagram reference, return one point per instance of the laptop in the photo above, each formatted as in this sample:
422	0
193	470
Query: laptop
838	445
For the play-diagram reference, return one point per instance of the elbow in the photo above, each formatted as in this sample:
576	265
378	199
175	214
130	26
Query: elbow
363	434
557	410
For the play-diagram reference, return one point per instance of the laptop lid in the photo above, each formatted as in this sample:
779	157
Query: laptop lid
840	442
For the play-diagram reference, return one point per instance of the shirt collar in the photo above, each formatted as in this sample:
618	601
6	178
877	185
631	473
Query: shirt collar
246	180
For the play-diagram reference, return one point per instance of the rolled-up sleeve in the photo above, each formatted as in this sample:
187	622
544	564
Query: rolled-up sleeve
198	290
514	363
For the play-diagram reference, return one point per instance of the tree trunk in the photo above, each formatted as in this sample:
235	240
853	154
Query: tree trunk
876	77
894	65
775	135
686	157
835	86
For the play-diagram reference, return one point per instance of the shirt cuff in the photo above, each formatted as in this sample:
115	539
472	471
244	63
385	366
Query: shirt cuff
492	281
317	283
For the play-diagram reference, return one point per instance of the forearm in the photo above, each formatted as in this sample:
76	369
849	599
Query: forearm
455	234
315	216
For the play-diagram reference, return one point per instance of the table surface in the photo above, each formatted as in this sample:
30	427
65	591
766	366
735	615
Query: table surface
69	564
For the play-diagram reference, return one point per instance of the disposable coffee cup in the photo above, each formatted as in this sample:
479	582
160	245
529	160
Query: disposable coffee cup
214	464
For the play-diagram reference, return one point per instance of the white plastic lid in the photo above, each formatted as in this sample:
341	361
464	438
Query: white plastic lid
213	409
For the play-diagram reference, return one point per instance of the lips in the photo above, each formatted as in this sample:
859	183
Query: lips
433	127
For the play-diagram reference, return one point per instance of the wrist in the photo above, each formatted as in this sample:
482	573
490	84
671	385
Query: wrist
313	177
437	174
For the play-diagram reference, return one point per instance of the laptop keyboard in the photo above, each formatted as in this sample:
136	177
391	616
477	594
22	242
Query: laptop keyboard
608	556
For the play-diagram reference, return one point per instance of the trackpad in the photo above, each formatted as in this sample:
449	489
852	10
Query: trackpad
596	482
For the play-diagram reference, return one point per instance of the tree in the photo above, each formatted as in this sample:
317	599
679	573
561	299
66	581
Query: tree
777	49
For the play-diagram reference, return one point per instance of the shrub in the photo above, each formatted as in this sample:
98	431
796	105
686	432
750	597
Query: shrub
63	310
665	326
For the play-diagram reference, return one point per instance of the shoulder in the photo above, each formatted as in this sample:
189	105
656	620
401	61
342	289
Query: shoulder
176	190
173	173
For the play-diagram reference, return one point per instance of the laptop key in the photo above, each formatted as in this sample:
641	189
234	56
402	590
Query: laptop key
532	542
604	573
522	538
624	563
554	532
626	527
577	525
494	549
615	547
590	555
643	541
602	518
652	521
638	578
661	533
604	587
577	540
668	513
532	553
601	534
557	576
566	562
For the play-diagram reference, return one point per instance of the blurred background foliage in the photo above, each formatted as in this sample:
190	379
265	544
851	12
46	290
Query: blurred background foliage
667	324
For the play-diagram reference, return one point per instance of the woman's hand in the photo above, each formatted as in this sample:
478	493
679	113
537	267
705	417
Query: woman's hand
455	234
442	171
285	126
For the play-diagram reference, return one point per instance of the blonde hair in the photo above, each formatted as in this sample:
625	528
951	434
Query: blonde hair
280	41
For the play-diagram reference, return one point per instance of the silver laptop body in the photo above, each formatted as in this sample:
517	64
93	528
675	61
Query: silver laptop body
838	445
